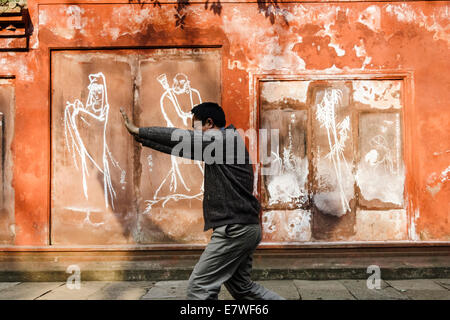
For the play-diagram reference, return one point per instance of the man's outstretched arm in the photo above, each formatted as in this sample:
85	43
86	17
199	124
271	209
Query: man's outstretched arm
153	145
174	141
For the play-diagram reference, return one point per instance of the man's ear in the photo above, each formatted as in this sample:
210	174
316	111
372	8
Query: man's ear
210	122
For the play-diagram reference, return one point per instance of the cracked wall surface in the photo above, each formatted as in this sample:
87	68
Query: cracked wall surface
381	61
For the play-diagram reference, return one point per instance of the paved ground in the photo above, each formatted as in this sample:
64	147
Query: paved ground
429	289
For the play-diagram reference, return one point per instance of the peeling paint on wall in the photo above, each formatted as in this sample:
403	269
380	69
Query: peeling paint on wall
281	91
445	174
413	235
378	94
436	22
435	181
371	17
360	51
286	226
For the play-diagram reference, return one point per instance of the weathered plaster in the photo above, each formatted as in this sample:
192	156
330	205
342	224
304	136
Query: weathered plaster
321	38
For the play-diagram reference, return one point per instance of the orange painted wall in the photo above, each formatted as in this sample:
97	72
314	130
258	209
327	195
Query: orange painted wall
377	37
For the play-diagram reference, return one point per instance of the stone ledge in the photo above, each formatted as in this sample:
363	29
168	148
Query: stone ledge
265	268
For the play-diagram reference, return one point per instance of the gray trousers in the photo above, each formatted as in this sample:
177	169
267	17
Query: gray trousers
227	260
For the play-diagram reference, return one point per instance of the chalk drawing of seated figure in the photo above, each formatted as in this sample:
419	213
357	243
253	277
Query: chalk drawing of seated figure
176	103
174	98
85	130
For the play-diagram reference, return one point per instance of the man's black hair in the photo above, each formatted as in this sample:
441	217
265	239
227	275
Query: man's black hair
211	110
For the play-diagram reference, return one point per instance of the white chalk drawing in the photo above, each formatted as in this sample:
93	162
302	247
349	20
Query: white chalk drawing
337	136
288	184
380	172
181	85
381	155
170	99
94	112
87	210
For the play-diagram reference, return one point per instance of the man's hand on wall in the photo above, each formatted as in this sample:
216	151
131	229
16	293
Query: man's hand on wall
128	124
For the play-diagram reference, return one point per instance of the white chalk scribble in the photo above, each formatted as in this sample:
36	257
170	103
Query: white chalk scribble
337	136
287	184
170	99
381	155
93	114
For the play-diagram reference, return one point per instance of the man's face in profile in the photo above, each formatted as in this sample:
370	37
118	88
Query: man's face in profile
196	124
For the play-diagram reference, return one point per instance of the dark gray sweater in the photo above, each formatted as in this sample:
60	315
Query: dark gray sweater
228	175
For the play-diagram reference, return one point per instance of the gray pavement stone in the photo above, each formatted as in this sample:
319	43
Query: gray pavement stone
443	282
28	290
421	289
284	288
122	290
322	290
436	289
360	290
64	293
5	285
167	290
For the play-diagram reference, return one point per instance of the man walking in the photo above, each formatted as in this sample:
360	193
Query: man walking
229	207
